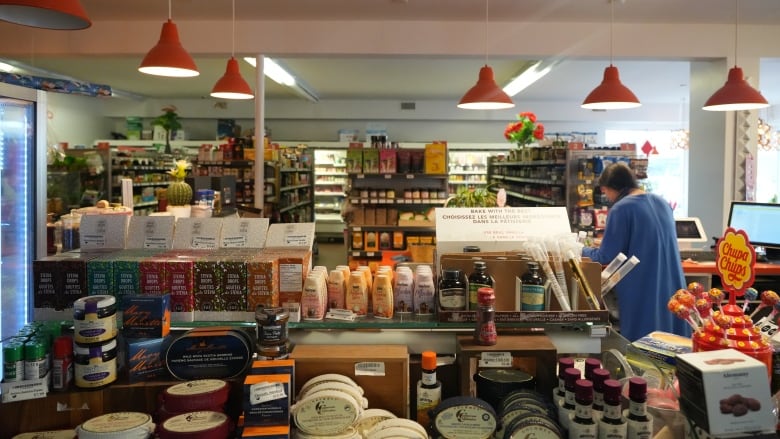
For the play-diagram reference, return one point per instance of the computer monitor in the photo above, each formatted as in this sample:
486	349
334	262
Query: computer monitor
689	232
760	222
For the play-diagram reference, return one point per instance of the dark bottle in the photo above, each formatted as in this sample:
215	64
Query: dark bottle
640	423
590	365
452	290
479	278
567	407
598	377
485	333
612	425
559	392
582	425
532	291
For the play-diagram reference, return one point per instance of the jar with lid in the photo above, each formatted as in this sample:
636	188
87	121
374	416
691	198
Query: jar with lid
533	291
485	333
271	325
70	224
452	290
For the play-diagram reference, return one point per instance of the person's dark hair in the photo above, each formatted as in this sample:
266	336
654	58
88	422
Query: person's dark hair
618	176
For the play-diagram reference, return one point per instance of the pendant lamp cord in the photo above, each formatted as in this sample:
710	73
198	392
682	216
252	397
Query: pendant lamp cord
233	50
736	30
487	8
169	9
611	23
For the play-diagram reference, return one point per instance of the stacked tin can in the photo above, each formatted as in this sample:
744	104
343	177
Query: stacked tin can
94	341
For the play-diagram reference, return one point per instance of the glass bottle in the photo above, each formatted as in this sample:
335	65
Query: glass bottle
485	333
598	377
477	279
452	291
560	392
581	424
567	407
612	425
532	291
640	423
428	389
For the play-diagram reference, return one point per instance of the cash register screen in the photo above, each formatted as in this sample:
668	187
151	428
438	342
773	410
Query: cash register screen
689	231
759	221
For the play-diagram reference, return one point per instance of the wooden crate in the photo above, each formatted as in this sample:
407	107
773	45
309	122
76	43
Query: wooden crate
388	390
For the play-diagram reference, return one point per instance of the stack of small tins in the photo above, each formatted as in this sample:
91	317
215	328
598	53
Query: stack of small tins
94	341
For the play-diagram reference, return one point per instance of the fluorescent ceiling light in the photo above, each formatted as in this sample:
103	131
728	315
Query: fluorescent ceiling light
275	71
5	67
528	77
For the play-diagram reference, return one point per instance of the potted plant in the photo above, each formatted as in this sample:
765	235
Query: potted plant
169	121
179	193
473	197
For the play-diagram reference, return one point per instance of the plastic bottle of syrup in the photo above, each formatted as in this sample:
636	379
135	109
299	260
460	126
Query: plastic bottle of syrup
383	296
485	333
357	294
640	423
477	279
424	292
403	290
428	389
582	425
337	286
612	425
532	291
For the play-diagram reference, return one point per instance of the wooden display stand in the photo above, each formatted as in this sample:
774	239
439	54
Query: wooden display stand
534	354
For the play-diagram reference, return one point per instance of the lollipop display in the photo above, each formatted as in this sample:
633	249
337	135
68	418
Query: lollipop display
751	294
768	299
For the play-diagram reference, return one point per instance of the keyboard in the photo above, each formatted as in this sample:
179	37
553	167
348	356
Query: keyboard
700	255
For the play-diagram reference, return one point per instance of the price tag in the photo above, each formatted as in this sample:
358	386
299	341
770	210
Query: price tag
154	242
370	368
370	254
203	242
360	176
388	176
495	359
410	176
767	327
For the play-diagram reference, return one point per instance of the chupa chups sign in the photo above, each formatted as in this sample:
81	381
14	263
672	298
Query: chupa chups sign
735	263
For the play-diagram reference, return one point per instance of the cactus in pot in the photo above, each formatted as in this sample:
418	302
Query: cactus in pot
179	192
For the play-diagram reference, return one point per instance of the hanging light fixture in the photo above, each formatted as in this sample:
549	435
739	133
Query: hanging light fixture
611	94
168	57
45	14
232	85
736	94
486	94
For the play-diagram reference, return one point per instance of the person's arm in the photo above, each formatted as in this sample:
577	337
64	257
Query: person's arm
614	241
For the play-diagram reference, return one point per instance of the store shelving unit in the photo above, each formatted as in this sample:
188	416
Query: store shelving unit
289	189
389	215
330	182
468	168
531	177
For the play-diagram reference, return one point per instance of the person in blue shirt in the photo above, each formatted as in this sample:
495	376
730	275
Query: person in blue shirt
640	224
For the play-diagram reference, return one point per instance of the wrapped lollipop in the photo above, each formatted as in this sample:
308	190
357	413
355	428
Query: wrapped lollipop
684	313
695	288
685	297
716	296
768	298
704	308
751	294
725	322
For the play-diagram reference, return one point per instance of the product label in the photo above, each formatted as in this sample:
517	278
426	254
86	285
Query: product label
264	392
402	294
452	299
610	430
116	422
423	299
13	371
357	300
34	369
196	387
532	297
473	288
96	374
336	289
311	305
495	359
383	302
370	368
325	415
427	400
465	421
94	331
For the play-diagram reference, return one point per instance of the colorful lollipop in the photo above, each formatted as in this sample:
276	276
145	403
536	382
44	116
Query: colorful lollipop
695	288
685	297
684	313
751	294
716	296
704	308
768	298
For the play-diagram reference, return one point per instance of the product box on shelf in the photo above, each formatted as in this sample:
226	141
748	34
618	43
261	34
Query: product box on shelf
100	276
58	281
507	268
436	158
725	392
267	400
180	278
387	161
145	359
370	161
294	266
381	370
151	276
262	282
354	160
147	316
270	432
663	346
282	366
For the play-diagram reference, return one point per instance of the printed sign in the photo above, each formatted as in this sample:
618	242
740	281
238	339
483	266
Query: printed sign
735	263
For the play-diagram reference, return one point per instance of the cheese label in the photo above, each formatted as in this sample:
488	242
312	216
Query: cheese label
266	391
495	359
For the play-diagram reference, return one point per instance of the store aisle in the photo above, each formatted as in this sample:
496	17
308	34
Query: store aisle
330	254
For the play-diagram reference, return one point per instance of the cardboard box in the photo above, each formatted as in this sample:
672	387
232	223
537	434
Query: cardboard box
267	400
663	346
271	432
100	276
151	277
370	161
506	268
387	161
180	278
534	354
436	158
294	266
262	282
381	370
354	160
725	392
147	316
146	358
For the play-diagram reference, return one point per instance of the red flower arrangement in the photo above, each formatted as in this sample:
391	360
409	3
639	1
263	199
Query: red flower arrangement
525	130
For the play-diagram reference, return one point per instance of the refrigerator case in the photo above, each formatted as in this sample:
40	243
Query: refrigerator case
468	168
23	196
330	186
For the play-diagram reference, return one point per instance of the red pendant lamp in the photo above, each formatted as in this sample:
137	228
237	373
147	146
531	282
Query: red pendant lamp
486	94
232	85
45	14
611	94
736	94
168	57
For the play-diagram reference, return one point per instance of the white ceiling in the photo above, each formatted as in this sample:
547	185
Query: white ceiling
407	77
